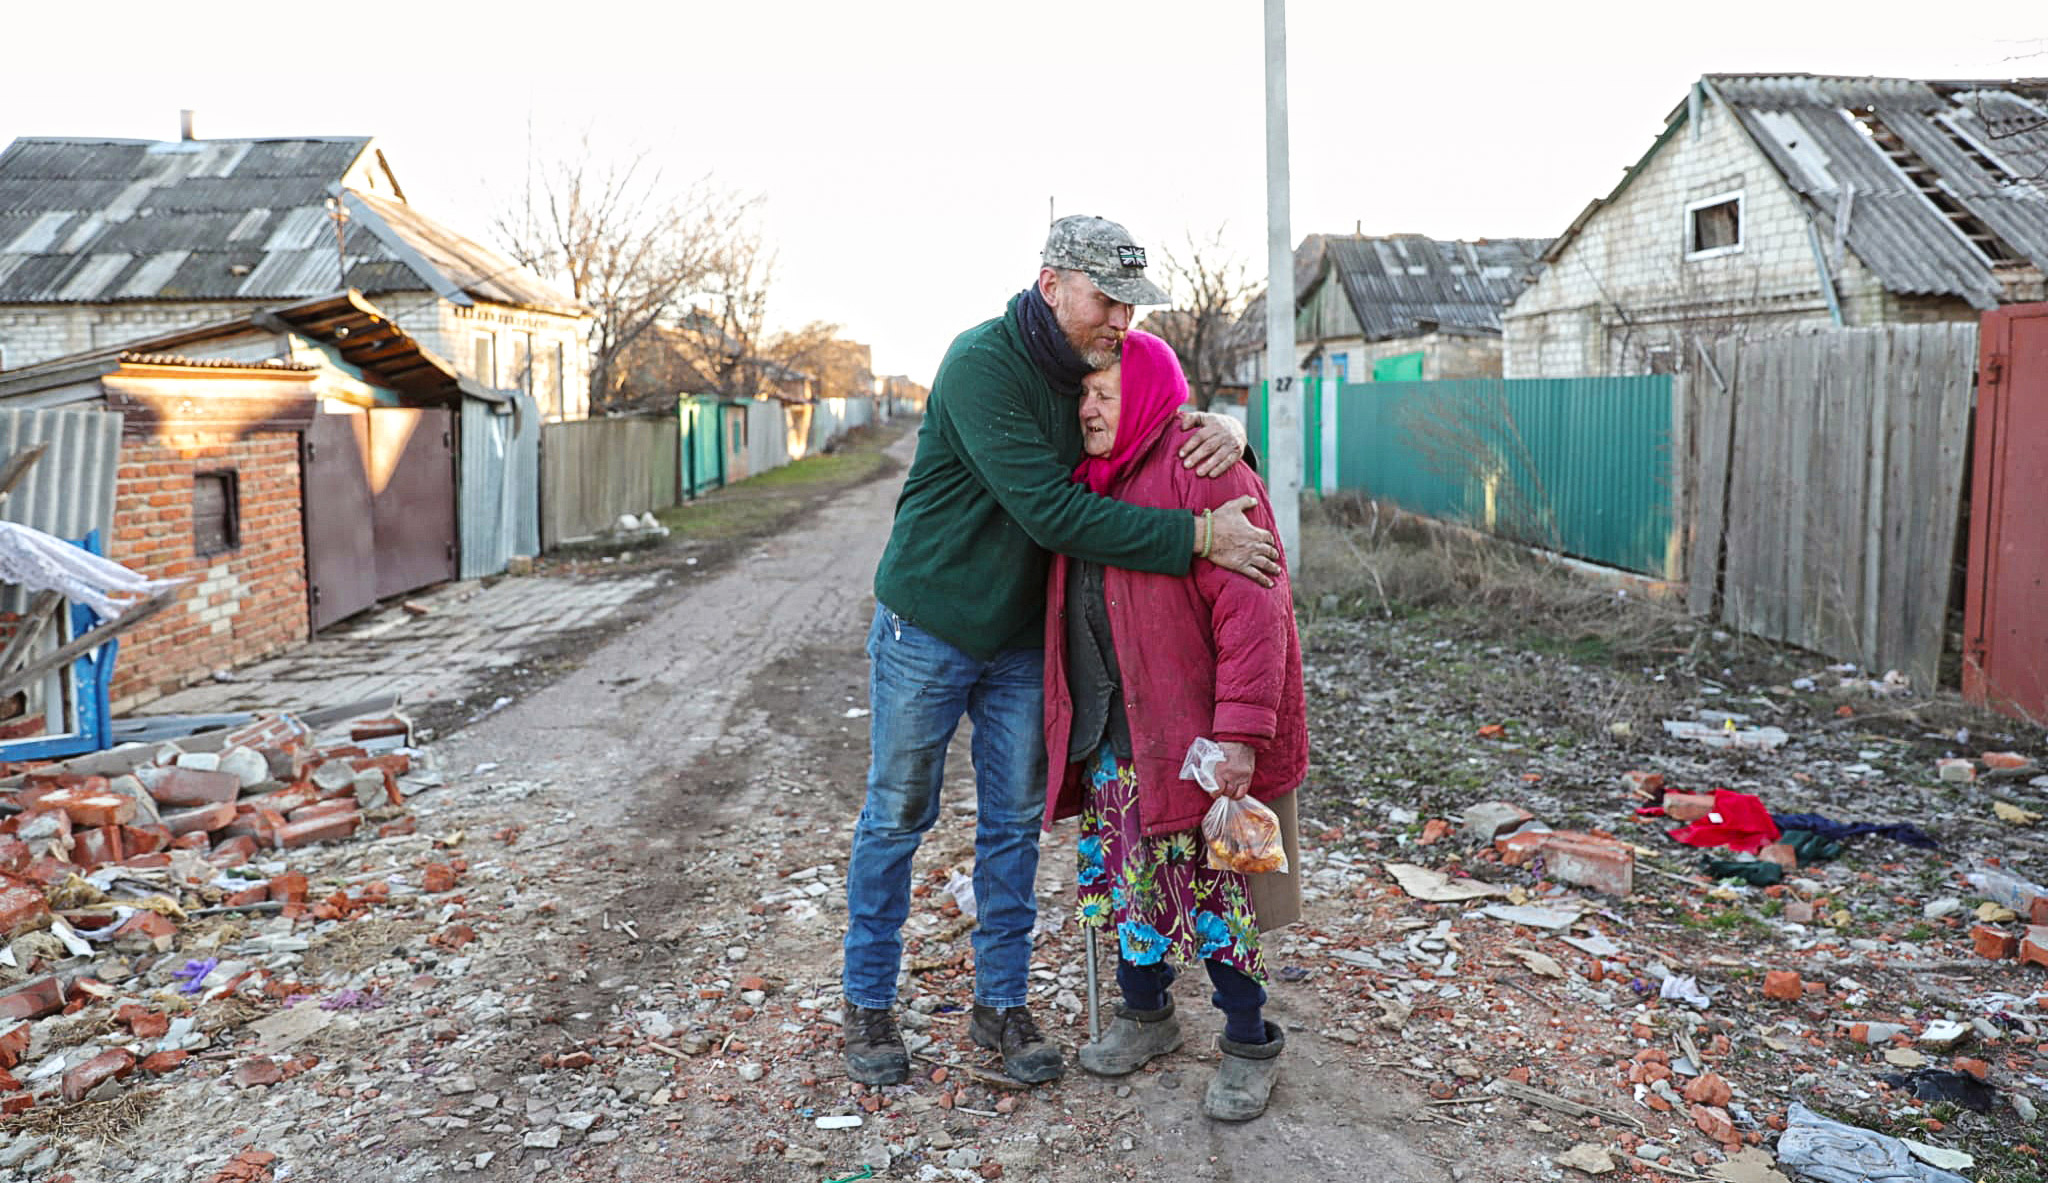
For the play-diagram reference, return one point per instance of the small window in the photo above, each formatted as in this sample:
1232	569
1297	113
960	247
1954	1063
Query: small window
1714	226
487	360
216	513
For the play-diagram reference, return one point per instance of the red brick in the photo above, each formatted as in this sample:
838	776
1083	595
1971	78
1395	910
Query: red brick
1601	864
1647	785
14	1103
261	1072
394	829
145	839
1714	1122
2034	946
234	851
289	888
144	862
319	809
1994	943
158	1063
1977	1068
1782	854
87	808
144	1022
147	927
332	828
437	878
108	1065
390	725
246	896
13	1043
1709	1089
1783	985
185	787
22	908
201	820
90	848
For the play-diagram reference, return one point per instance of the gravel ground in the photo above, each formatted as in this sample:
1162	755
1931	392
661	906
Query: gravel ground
634	974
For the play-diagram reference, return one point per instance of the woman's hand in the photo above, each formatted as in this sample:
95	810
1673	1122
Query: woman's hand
1219	443
1234	775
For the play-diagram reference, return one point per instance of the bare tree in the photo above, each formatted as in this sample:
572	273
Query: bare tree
637	249
1210	288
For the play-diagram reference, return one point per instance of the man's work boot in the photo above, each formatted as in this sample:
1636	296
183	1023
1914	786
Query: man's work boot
1134	1037
1245	1080
874	1048
1027	1055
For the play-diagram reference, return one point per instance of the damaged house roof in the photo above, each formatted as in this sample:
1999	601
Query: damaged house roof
1404	285
101	221
1941	188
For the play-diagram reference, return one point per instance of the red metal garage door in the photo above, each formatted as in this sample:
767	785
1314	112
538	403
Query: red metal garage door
341	563
380	506
412	497
2005	630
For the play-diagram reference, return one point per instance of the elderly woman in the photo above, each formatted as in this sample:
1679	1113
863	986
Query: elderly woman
1137	667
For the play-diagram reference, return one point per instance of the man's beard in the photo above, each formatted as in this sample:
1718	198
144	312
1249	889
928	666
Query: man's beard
1095	357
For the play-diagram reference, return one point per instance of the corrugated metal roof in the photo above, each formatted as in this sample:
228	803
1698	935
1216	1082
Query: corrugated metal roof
93	221
1943	186
1404	284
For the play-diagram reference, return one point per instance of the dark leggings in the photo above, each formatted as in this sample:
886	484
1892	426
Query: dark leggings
1237	995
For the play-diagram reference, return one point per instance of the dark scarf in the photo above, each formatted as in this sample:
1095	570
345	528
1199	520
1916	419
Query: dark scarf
1049	348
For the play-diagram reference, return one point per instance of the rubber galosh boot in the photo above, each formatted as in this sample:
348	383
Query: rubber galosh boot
1245	1081
1027	1055
1134	1037
874	1048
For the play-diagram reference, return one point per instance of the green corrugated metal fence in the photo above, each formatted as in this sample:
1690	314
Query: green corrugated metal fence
1577	465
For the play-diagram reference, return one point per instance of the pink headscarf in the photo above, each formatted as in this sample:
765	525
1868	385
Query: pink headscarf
1153	389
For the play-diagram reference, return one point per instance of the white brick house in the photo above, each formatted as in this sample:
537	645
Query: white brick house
108	241
1788	202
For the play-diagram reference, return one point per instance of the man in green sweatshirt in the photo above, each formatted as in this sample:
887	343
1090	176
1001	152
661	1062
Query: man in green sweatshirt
960	620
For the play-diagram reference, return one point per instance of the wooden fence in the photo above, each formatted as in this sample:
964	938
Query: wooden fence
1829	472
594	470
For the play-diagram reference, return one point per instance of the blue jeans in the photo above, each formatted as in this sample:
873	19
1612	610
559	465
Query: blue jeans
918	687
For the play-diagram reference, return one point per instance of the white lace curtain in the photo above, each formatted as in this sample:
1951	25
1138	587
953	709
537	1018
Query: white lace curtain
43	562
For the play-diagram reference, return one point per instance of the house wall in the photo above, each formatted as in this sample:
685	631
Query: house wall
452	332
31	333
245	604
1623	292
1444	355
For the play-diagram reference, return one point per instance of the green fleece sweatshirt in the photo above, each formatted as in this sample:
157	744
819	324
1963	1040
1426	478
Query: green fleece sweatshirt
991	490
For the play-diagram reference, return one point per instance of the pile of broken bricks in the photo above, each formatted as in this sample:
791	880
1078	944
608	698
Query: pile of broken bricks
1591	859
104	859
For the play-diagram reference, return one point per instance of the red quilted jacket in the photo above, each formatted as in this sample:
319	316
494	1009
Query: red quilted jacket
1206	653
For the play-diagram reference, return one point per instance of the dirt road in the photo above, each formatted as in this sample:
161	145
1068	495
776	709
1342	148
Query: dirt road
712	760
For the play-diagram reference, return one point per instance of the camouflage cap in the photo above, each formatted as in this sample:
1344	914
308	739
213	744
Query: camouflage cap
1104	252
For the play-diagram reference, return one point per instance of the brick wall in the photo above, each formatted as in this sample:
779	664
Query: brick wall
246	603
1624	289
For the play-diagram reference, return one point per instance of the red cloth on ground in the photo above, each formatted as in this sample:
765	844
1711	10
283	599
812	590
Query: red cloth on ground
1740	822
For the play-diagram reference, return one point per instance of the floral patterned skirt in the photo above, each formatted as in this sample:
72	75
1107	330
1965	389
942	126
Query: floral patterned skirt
1159	892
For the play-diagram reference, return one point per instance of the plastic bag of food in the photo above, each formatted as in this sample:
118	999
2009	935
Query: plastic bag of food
1243	836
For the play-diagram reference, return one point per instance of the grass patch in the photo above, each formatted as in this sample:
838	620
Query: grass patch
1360	557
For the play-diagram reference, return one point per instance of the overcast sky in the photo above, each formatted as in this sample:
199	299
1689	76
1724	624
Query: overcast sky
907	151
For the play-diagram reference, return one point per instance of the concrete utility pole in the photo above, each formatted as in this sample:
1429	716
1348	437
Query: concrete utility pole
1283	388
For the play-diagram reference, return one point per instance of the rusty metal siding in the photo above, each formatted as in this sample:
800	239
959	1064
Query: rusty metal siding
70	491
2005	613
